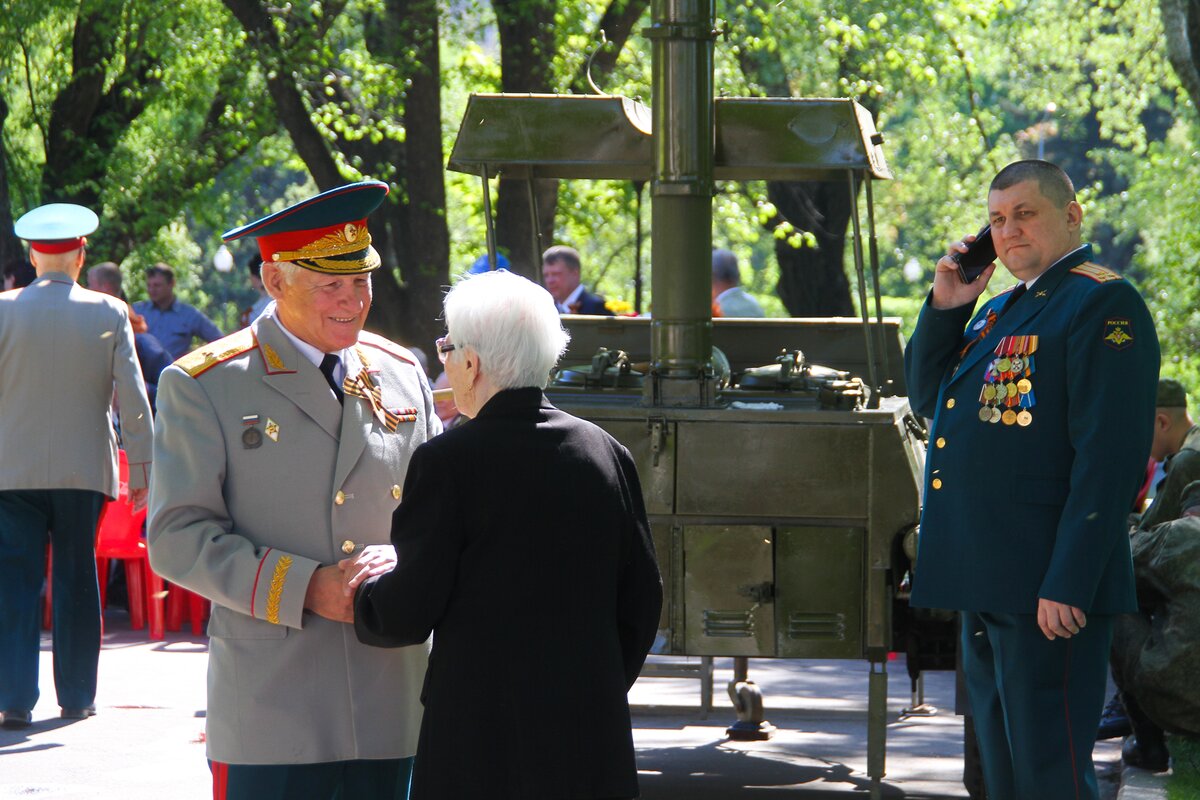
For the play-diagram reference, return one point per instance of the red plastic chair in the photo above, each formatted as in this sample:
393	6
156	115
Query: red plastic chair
120	536
197	609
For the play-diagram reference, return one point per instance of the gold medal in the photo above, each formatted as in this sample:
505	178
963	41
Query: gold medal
1005	365
995	416
985	414
1024	385
1011	388
1009	417
989	392
1024	418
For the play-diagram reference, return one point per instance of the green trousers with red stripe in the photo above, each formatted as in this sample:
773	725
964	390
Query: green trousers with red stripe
1036	704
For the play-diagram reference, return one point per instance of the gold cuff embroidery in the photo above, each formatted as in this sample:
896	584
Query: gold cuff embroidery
277	580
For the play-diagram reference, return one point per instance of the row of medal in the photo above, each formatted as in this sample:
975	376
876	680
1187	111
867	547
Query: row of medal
1007	394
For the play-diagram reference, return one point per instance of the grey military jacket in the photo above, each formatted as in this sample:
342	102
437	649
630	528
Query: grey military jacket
62	349
261	478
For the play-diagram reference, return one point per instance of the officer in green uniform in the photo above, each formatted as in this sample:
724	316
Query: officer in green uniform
1042	404
283	449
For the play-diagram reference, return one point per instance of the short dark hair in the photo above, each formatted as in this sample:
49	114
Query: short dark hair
161	269
567	255
1053	183
105	272
254	264
725	267
22	272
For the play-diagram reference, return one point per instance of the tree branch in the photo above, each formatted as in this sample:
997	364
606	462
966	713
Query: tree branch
1181	25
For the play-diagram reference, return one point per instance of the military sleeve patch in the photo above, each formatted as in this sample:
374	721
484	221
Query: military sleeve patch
1118	333
1096	272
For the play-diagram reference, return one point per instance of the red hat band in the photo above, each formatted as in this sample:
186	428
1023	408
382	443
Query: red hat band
59	245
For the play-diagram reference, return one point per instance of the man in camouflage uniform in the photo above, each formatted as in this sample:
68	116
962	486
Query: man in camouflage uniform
1158	658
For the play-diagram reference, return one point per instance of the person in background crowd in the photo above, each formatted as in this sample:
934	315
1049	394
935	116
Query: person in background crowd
18	273
1156	653
152	356
62	348
254	268
561	275
1052	383
471	539
1176	446
446	410
282	449
483	264
728	295
173	322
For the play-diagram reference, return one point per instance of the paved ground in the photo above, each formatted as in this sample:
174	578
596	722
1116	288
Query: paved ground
146	741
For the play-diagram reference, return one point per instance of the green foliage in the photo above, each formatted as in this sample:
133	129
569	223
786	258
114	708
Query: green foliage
1184	783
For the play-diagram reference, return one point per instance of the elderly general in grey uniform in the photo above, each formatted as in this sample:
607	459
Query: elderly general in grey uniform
62	348
281	452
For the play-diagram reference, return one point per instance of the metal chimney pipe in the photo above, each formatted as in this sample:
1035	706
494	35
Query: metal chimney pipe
681	201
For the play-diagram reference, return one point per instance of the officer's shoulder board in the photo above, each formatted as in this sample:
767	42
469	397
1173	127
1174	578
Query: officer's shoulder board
202	359
376	341
1096	272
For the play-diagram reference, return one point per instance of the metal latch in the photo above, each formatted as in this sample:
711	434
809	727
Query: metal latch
758	592
658	436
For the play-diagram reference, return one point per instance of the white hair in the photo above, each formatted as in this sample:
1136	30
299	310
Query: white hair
287	270
511	322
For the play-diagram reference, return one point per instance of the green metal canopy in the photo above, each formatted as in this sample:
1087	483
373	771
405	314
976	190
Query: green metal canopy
609	137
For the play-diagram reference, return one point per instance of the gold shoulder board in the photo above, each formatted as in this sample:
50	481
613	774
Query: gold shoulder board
387	346
202	359
1096	272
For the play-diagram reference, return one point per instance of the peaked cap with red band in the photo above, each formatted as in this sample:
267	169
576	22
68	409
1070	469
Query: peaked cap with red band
56	227
327	233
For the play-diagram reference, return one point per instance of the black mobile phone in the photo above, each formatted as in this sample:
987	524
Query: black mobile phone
980	253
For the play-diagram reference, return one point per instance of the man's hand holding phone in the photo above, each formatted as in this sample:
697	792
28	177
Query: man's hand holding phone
974	259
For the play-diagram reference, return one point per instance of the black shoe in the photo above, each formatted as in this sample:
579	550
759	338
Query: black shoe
1151	756
78	713
1114	722
14	720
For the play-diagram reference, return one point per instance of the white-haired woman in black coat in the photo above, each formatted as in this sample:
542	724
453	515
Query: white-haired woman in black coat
522	545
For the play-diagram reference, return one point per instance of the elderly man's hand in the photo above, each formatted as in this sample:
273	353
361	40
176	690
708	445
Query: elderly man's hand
948	289
325	596
138	498
375	559
1059	619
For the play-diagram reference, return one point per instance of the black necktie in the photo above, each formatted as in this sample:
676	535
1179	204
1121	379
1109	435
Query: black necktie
1013	297
328	365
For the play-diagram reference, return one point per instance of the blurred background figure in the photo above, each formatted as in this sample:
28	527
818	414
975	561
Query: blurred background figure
254	270
561	275
445	409
727	292
18	273
483	265
152	356
172	321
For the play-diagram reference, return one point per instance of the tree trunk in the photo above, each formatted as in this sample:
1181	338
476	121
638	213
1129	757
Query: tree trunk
812	281
419	237
526	53
10	246
286	95
1181	23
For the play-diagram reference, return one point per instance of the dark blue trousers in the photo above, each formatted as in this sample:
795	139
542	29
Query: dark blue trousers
28	520
382	779
1036	704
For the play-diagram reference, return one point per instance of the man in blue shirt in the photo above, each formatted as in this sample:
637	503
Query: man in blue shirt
173	322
